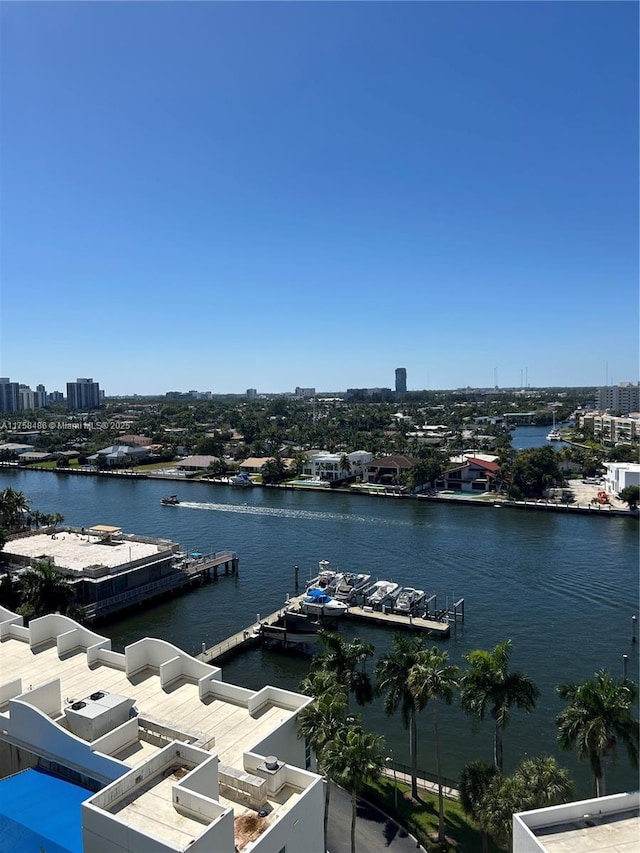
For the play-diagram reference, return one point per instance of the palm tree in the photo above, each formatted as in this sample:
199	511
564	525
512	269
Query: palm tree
45	590
475	780
433	678
13	508
353	758
347	662
318	723
393	671
488	683
535	784
543	783
598	714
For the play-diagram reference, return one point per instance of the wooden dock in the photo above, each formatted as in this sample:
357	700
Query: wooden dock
270	627
399	621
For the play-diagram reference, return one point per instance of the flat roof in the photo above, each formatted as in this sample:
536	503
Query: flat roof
76	551
618	832
235	730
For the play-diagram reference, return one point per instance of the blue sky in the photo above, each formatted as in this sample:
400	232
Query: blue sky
229	195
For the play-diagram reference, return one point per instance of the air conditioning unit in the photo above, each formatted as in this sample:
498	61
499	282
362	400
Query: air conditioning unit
97	714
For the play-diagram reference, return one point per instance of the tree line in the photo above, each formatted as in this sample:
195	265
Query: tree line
597	717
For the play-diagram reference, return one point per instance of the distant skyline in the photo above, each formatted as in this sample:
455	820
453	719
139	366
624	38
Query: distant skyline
222	196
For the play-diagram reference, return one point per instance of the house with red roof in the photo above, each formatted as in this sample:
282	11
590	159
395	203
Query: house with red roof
473	475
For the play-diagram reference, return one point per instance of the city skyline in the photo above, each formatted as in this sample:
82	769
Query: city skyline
225	196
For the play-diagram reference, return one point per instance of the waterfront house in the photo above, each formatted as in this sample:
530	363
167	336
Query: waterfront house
117	454
388	470
196	463
474	475
161	753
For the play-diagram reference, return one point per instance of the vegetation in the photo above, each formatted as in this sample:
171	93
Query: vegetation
488	684
346	662
631	496
598	716
394	672
432	679
354	757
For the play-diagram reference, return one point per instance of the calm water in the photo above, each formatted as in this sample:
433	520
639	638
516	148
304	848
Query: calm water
562	588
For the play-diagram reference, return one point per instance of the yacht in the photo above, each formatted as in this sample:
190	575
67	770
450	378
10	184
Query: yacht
554	435
317	603
243	480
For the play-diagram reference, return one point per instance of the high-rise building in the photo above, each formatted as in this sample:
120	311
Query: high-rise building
621	399
83	394
251	393
401	380
9	395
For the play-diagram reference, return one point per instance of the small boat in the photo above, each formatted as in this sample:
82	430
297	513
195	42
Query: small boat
408	599
317	603
170	500
380	592
349	585
243	480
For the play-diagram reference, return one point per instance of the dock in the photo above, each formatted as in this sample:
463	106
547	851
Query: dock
271	627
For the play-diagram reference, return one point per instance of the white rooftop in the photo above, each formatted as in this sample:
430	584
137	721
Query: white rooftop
76	551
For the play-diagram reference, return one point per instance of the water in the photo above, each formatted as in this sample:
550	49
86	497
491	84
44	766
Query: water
562	588
524	437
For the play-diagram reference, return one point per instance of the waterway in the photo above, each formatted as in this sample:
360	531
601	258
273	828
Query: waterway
562	588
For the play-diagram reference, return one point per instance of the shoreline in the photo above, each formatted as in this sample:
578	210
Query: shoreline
487	500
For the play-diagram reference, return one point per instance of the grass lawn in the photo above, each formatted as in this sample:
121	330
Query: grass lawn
421	818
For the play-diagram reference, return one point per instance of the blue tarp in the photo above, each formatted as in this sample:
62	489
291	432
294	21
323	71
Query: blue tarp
40	812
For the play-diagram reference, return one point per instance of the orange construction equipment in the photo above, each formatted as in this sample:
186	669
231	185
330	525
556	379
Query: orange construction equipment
602	498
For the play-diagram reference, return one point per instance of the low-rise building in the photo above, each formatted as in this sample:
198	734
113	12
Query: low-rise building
601	825
473	475
172	758
619	475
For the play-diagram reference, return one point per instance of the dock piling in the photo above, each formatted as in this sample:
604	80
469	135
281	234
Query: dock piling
625	660
634	620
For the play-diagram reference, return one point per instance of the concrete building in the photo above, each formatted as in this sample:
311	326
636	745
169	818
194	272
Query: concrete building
172	757
83	394
401	380
305	392
603	825
322	465
9	395
252	393
619	475
611	428
619	399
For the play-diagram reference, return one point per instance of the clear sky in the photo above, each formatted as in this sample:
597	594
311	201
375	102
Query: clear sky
228	195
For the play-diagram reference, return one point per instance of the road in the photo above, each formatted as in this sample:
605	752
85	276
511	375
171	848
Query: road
374	831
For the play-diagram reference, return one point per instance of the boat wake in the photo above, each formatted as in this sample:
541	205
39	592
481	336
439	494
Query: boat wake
247	509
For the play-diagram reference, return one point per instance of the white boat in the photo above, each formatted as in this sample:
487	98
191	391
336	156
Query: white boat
554	435
317	603
380	592
408	599
326	577
349	584
243	480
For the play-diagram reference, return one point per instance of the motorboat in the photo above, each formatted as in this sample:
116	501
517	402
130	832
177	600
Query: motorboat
408	599
170	500
380	592
317	603
349	584
242	479
326	577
